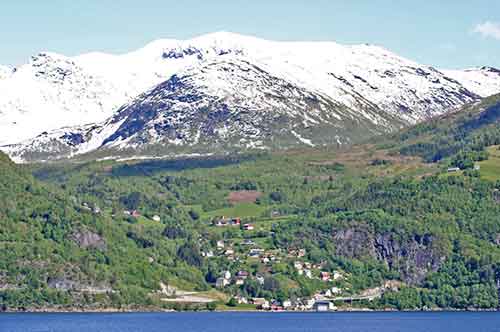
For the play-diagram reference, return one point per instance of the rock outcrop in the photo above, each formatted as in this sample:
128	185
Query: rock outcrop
89	240
413	257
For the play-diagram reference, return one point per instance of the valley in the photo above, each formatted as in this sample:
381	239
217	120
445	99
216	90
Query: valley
381	225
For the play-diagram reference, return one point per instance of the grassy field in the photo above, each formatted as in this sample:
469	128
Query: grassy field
241	210
490	169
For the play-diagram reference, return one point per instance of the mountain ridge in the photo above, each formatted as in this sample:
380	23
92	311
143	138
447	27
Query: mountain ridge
90	90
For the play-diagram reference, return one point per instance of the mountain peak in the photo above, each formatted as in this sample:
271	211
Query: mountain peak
233	70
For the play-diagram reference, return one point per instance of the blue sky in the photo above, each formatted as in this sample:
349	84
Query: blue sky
444	33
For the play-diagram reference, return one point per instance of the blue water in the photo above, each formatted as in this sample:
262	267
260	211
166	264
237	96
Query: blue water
255	322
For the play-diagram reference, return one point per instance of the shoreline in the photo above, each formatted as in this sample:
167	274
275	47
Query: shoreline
157	310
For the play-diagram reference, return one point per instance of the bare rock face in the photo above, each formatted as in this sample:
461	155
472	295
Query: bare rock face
414	258
66	283
87	239
354	243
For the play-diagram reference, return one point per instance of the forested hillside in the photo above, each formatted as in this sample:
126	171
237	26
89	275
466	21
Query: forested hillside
409	221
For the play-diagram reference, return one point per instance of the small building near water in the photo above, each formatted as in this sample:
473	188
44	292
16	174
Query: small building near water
323	306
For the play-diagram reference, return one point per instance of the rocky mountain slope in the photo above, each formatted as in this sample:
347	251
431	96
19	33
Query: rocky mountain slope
484	81
217	92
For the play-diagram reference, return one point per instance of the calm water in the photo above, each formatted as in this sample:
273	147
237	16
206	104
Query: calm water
255	322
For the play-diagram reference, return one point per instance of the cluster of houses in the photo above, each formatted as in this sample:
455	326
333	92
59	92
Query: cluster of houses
248	248
265	256
288	305
238	279
306	268
458	169
91	207
137	214
132	213
228	222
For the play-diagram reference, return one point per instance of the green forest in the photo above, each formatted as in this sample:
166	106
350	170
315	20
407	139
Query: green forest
408	221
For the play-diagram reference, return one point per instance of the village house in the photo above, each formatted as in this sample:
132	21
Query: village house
325	276
156	218
223	221
241	299
207	254
255	252
309	303
296	253
220	244
323	306
238	281
220	222
226	275
308	273
248	227
337	275
260	279
221	282
319	266
287	304
229	252
242	274
261	303
298	265
336	290
276	307
453	169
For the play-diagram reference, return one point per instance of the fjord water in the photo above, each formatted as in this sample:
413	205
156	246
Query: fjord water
255	322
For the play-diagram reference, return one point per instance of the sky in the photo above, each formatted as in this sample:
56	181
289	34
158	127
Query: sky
445	33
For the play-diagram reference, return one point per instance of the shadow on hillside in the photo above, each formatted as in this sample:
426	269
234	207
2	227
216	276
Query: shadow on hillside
150	167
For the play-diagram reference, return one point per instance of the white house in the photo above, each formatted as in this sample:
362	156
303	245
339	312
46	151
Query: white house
221	282
336	290
260	279
337	275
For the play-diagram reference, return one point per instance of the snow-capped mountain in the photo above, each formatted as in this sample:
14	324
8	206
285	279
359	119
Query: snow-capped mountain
5	72
222	105
219	91
484	81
